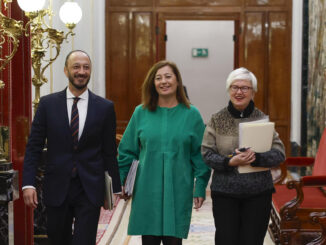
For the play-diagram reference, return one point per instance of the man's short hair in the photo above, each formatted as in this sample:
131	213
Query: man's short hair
74	51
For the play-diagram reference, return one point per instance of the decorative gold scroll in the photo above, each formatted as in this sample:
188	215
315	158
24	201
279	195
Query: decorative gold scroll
10	31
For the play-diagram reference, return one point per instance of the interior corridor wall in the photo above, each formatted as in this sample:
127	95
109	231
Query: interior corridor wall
204	77
90	37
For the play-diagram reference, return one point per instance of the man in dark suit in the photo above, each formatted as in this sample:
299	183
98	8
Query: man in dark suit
79	130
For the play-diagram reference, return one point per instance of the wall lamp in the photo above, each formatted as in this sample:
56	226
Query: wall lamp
10	32
43	37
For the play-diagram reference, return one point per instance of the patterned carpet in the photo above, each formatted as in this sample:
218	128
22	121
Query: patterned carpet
113	226
201	230
202	227
103	224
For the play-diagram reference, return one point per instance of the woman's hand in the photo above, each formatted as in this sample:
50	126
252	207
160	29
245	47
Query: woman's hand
242	158
123	195
198	202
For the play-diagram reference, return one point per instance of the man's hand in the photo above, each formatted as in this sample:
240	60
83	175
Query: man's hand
198	202
30	197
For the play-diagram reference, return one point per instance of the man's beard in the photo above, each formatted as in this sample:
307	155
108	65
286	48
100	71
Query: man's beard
77	86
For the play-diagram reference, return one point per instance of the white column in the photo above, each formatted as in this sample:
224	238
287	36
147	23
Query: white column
296	71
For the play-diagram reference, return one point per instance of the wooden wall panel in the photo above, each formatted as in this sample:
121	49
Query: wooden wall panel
118	3
142	54
118	64
135	40
266	2
130	55
279	73
199	2
255	52
282	129
279	66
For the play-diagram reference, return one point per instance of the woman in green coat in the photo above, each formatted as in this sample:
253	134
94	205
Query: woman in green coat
165	134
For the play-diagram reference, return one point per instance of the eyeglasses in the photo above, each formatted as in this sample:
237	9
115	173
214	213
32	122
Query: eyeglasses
244	89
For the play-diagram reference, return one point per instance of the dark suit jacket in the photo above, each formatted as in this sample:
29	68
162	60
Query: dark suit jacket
96	151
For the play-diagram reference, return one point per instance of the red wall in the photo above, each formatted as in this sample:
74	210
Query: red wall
20	115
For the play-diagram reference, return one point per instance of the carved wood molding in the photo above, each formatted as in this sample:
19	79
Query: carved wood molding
288	211
319	218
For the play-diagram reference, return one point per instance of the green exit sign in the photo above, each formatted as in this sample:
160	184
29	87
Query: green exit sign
199	52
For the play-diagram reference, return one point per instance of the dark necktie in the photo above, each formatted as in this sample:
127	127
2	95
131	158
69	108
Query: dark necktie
74	123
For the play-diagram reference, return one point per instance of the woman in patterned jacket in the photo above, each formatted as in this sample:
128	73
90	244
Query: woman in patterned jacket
241	201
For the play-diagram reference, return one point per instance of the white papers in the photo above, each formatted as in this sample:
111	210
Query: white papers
258	135
130	181
108	198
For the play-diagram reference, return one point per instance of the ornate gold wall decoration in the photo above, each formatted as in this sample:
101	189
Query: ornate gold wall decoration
10	32
43	38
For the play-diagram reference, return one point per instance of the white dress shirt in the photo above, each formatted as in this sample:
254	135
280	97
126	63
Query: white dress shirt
82	106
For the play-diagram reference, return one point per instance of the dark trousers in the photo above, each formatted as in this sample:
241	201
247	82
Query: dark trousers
241	221
156	240
76	210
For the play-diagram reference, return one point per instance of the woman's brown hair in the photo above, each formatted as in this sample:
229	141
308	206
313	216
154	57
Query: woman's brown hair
149	93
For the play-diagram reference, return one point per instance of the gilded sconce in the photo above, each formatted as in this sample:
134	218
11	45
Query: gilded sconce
43	37
10	32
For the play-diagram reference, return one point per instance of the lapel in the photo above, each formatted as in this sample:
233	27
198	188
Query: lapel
62	105
89	117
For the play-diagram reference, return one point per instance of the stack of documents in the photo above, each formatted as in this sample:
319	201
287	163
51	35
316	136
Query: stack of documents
258	135
130	181
108	199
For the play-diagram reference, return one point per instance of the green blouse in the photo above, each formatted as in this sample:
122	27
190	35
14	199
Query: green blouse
167	143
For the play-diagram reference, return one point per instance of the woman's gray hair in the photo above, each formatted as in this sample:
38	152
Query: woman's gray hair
241	74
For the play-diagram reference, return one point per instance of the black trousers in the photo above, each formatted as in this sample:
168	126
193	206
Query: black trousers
78	211
156	240
241	221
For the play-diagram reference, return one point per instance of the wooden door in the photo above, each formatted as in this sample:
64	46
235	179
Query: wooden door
267	53
161	29
135	40
130	53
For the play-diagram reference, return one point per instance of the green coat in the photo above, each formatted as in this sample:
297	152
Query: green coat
167	143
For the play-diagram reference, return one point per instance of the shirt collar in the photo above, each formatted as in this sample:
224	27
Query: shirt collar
83	96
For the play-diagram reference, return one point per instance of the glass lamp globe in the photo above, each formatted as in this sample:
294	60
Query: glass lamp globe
70	13
31	6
